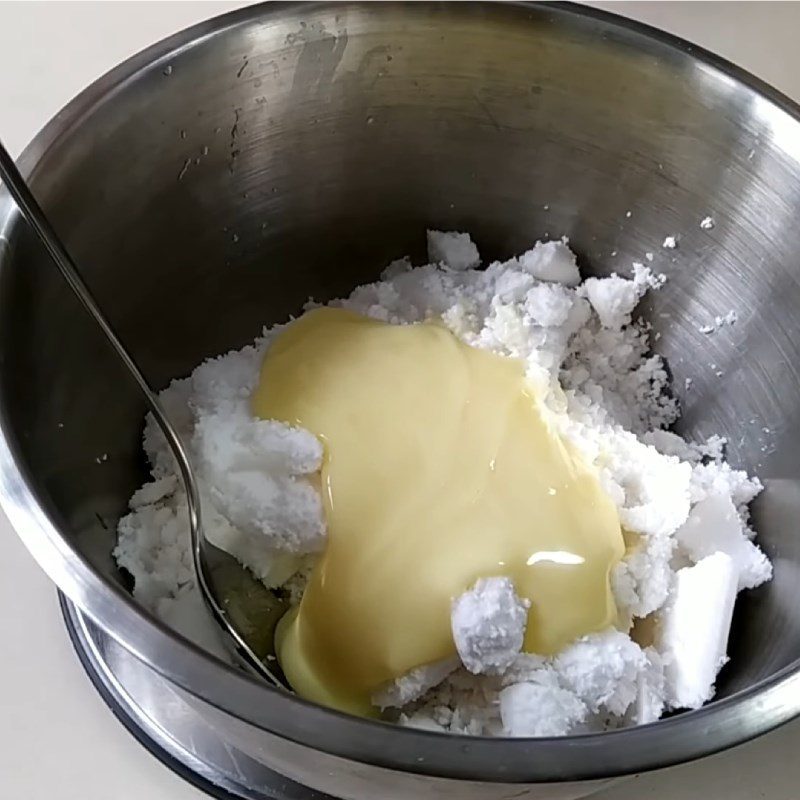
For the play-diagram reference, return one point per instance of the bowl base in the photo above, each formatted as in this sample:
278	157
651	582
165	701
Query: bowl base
181	740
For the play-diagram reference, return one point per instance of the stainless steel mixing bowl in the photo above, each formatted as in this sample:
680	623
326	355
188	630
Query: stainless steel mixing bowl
212	183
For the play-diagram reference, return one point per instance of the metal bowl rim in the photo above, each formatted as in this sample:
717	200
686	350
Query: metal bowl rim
717	726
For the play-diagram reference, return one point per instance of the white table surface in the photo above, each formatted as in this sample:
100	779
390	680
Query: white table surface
57	738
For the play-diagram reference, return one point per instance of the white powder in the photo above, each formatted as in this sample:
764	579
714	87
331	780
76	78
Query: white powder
693	635
651	690
720	321
533	709
614	298
714	525
455	250
603	671
551	261
415	684
549	305
488	623
606	393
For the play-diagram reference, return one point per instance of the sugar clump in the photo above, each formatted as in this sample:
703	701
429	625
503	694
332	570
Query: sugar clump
488	623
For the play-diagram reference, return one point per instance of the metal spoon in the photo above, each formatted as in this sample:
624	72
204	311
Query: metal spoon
207	558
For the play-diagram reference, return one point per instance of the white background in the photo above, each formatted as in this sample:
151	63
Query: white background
57	739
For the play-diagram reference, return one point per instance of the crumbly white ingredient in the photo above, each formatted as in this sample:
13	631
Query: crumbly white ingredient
719	321
694	627
488	623
551	261
670	242
650	691
607	394
614	298
548	304
707	223
714	525
262	498
414	684
590	682
153	492
455	250
534	709
153	546
603	671
186	612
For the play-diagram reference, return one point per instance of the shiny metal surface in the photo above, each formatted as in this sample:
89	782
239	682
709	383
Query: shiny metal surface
192	734
202	550
214	182
157	714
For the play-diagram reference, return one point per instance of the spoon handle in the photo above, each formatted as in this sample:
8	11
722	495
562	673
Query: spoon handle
18	189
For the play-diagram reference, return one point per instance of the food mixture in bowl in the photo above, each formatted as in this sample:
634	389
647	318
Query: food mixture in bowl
463	482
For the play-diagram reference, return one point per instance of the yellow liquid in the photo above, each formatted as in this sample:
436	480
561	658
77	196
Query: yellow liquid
440	468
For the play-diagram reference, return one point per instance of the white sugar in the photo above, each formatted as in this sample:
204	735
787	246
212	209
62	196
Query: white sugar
488	623
650	691
720	321
531	709
693	635
455	250
714	525
551	261
603	671
410	687
685	509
